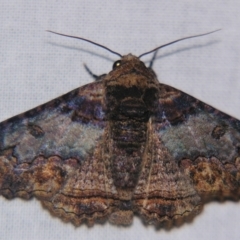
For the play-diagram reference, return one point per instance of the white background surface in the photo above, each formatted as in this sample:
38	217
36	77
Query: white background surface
36	66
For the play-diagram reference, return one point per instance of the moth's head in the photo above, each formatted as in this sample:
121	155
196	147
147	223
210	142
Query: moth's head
130	70
129	59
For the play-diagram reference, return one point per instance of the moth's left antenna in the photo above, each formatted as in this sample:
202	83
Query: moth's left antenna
86	40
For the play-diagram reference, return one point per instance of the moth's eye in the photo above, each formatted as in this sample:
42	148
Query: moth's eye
117	64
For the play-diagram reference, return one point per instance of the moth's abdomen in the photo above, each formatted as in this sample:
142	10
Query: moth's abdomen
128	133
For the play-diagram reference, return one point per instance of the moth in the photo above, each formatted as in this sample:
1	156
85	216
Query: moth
123	145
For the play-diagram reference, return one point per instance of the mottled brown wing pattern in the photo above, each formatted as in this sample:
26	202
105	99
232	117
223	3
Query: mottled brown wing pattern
203	141
194	158
52	153
120	146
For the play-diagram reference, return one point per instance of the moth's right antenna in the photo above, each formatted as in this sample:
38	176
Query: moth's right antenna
86	40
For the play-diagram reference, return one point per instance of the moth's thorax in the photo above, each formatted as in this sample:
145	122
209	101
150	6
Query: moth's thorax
131	94
131	88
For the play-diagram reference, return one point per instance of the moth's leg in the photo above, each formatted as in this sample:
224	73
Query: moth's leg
96	77
152	60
